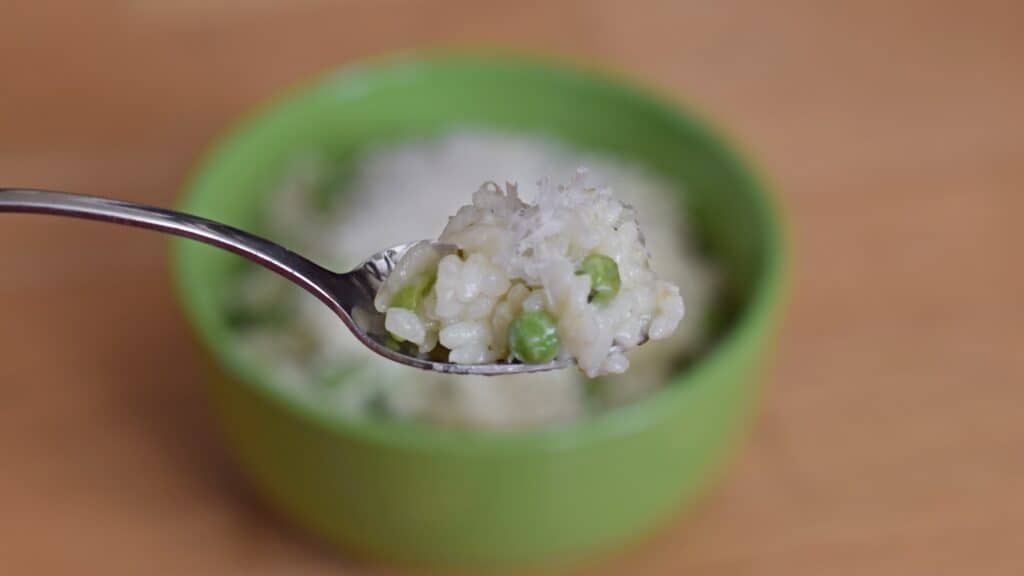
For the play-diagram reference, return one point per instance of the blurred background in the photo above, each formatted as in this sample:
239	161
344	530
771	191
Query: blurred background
888	442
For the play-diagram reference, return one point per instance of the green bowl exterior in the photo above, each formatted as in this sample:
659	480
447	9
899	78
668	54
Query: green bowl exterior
432	497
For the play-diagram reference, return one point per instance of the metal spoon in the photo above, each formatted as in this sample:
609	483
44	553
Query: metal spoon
349	294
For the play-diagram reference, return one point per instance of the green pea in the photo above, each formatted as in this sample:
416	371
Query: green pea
532	337
604	277
410	295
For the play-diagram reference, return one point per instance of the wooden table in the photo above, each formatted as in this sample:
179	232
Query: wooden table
889	443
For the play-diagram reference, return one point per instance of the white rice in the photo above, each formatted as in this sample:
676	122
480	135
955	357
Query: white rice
399	194
512	253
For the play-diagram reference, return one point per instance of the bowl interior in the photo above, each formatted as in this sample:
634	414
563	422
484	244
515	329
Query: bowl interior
341	114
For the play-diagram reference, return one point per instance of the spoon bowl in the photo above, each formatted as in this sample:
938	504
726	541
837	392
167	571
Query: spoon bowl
358	288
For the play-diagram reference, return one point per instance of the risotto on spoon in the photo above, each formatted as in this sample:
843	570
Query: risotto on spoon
568	276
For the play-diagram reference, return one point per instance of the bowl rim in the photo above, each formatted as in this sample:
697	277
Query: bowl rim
754	320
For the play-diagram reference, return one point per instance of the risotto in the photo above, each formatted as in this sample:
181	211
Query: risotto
566	277
338	212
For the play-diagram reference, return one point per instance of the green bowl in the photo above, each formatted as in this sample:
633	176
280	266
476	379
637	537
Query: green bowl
431	497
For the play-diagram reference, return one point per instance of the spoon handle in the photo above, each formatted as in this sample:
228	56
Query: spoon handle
298	269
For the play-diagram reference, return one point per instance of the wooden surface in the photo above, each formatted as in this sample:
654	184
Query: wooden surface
889	443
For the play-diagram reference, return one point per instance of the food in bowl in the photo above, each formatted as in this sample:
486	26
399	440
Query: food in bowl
567	276
338	442
395	193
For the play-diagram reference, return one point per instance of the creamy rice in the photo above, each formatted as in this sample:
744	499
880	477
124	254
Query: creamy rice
399	193
577	254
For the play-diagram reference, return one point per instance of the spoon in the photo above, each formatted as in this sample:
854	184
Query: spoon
349	295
